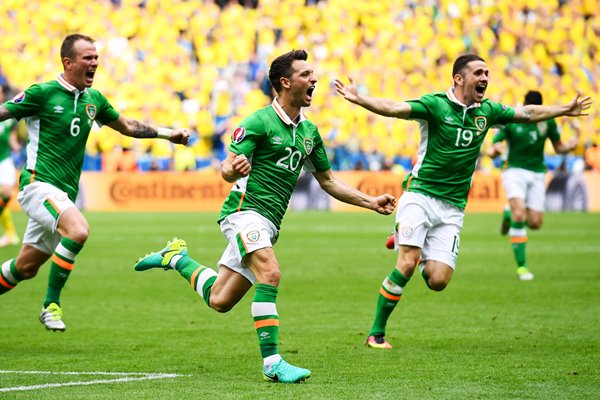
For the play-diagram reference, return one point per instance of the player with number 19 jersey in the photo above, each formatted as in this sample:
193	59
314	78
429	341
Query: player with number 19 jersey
59	119
277	149
451	138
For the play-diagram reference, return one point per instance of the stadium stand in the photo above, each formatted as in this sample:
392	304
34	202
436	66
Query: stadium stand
203	63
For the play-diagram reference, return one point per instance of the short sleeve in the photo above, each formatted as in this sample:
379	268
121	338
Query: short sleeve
27	103
317	160
501	114
421	108
106	112
245	137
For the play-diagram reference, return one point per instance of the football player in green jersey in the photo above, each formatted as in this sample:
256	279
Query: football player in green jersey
267	153
430	212
8	176
59	116
524	177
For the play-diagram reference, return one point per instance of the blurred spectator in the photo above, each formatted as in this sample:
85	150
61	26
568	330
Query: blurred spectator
204	62
592	157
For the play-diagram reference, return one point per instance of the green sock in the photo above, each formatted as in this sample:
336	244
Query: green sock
266	320
9	277
200	277
61	266
389	295
518	238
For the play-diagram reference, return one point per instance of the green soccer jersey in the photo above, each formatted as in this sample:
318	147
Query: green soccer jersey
59	119
451	138
277	150
526	143
6	128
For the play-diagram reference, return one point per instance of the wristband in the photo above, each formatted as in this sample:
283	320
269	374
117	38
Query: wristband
164	133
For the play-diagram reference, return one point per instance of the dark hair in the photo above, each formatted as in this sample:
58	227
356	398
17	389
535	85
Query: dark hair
462	61
67	50
533	97
282	67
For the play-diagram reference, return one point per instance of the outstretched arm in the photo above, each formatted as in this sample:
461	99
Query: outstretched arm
341	191
537	113
385	107
133	128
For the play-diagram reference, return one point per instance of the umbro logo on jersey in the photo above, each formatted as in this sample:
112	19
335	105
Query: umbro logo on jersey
58	109
277	140
238	135
448	120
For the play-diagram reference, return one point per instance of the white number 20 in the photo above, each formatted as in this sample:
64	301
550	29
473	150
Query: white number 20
291	160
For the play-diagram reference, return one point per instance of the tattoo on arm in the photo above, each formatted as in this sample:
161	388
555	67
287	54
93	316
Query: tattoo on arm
4	113
529	113
141	130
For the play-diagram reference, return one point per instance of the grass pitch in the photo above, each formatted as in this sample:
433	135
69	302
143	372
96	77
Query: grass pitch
486	336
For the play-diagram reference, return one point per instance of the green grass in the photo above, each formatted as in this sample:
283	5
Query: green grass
486	336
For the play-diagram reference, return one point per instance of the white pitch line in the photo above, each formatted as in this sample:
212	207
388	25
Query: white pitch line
127	377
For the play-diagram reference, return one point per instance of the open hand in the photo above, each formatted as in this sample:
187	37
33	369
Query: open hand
578	105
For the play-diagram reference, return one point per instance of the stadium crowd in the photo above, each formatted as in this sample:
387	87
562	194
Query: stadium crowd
203	63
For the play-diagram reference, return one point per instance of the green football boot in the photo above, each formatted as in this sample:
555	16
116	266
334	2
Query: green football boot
162	259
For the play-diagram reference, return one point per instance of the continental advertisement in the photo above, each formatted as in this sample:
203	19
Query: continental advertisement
206	190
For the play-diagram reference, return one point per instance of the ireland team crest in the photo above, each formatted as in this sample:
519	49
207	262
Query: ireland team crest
253	236
480	123
308	145
90	110
406	231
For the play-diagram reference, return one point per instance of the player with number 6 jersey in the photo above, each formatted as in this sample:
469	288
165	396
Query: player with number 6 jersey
59	116
59	119
431	210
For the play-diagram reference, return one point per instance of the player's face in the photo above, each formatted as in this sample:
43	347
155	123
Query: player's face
475	82
302	83
80	70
